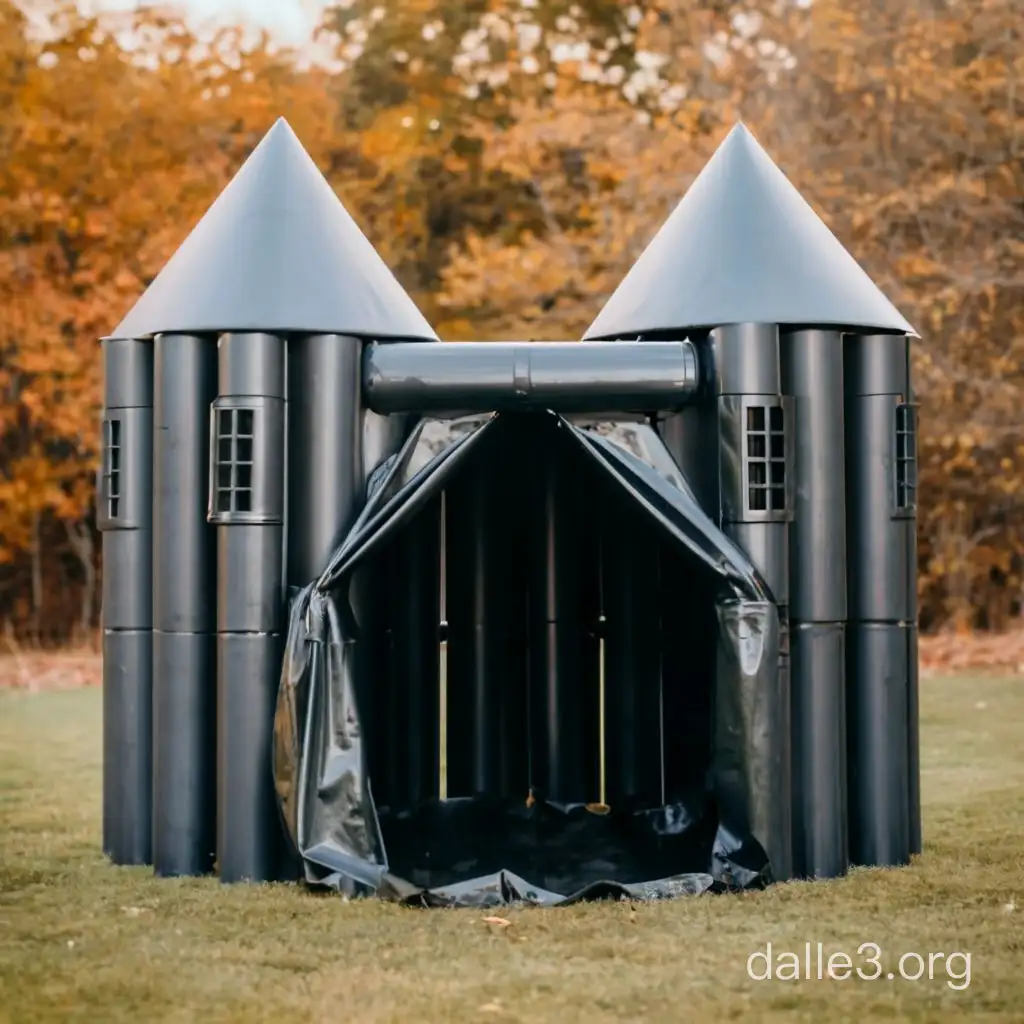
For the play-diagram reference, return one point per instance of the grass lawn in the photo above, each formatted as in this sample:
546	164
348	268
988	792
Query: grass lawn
81	940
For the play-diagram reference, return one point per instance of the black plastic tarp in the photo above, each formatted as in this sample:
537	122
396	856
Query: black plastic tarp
724	835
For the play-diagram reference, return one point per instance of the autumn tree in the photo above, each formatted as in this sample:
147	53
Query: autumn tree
511	159
900	123
435	91
117	134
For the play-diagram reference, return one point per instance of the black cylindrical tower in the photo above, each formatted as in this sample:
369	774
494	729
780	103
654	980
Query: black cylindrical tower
125	516
812	372
184	608
564	689
409	708
486	679
325	449
755	434
247	505
630	561
881	530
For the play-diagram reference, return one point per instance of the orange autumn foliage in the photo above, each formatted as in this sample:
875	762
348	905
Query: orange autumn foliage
510	161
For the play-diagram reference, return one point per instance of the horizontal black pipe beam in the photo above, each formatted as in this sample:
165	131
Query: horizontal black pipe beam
484	376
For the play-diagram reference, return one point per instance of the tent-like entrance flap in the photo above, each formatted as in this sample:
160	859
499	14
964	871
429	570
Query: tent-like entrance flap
728	832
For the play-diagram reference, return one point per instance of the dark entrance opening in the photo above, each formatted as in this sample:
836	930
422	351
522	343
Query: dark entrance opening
538	662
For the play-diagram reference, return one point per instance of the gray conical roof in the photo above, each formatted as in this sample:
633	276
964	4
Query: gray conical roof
277	252
743	246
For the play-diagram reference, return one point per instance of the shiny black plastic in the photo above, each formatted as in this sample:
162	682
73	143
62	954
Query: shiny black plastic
721	820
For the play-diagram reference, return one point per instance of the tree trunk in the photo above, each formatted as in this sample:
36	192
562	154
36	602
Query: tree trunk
82	543
37	576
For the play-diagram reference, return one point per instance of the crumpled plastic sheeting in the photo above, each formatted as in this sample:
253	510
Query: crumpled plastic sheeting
750	759
504	887
319	754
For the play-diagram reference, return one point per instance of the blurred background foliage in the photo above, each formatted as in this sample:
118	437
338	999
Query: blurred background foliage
510	159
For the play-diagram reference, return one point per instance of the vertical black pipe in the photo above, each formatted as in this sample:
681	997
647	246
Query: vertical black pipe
689	651
412	703
325	463
124	515
691	434
474	647
247	504
486	691
756	485
250	836
756	456
914	741
913	705
184	608
819	749
632	659
328	437
878	764
513	525
812	373
880	531
564	694
751	714
376	594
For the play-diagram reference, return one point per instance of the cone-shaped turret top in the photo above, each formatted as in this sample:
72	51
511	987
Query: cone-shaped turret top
743	246
277	252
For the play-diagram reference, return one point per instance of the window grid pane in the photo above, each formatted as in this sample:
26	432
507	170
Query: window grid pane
243	422
906	457
766	459
233	484
112	473
234	460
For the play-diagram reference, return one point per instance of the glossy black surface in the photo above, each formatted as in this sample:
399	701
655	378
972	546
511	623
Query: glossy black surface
459	849
184	753
563	644
124	516
879	760
250	600
127	746
250	840
486	601
630	561
184	608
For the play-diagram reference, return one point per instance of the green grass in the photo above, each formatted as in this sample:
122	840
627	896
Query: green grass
81	940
